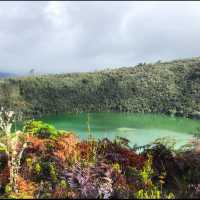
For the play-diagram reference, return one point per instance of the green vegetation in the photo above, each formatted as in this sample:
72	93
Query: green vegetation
169	87
40	129
62	166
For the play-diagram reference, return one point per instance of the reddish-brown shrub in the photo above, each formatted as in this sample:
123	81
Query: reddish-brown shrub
65	147
26	189
117	153
4	176
86	149
36	145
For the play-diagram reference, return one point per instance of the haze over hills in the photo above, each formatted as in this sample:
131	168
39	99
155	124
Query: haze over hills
6	74
12	74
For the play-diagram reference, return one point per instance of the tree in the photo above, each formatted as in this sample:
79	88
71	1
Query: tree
32	72
11	99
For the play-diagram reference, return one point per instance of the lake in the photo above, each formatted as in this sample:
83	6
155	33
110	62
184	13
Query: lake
139	129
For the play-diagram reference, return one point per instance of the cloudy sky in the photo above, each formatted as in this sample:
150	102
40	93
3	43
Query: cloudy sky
56	37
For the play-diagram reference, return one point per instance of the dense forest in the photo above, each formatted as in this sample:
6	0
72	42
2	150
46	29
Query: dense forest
163	87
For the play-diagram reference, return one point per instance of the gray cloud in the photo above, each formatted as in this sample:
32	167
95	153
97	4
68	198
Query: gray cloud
57	37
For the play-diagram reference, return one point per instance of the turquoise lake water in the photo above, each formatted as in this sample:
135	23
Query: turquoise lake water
139	129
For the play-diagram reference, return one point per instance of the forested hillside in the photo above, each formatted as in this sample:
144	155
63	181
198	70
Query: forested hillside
168	87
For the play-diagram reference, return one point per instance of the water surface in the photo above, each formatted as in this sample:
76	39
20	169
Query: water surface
139	129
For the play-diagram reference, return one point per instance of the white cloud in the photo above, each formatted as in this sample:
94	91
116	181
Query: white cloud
84	36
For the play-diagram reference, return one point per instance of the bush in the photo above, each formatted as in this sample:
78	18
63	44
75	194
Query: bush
40	129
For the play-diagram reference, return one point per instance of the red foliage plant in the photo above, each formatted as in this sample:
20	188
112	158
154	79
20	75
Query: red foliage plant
4	176
26	187
65	147
117	153
132	158
4	171
85	149
36	145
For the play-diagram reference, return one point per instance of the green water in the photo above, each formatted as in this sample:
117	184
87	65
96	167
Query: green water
139	129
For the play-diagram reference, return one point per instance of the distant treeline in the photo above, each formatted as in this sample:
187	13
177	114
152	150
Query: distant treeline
168	87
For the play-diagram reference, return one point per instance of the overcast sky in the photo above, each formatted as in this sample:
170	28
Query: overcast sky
56	37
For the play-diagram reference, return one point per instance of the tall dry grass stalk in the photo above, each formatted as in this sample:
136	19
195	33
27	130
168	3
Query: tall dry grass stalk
9	142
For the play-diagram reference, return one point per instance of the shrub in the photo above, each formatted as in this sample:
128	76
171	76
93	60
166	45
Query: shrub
150	190
40	129
115	152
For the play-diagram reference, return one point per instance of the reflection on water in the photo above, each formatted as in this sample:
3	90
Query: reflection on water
144	136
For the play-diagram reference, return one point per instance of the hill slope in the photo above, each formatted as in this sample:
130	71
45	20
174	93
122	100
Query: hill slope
169	87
